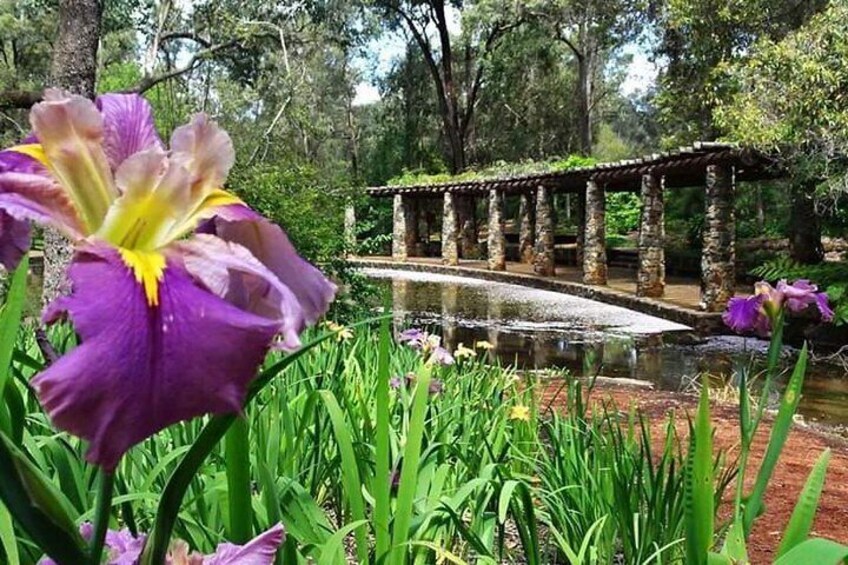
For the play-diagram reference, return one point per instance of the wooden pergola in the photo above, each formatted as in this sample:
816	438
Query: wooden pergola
715	166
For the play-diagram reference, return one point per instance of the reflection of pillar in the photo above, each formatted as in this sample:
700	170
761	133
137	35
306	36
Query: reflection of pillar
581	228
540	352
544	263
450	293
494	313
650	279
595	251
593	358
718	259
450	254
527	227
400	290
649	362
350	229
468	245
497	243
399	229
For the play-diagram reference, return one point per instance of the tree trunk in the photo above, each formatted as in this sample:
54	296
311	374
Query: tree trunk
74	68
805	245
584	101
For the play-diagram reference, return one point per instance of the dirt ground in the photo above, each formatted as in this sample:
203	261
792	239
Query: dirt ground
802	448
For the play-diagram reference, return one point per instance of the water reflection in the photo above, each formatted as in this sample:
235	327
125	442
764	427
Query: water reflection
538	329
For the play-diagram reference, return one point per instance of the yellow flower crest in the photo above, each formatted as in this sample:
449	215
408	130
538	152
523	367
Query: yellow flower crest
520	412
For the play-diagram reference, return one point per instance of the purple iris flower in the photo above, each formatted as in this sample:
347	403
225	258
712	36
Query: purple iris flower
757	313
441	356
173	323
414	337
395	383
436	387
122	548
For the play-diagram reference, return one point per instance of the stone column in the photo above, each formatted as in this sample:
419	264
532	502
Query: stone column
450	299
581	227
543	263
413	246
449	231
468	246
527	228
497	243
595	251
718	258
350	229
650	279
399	229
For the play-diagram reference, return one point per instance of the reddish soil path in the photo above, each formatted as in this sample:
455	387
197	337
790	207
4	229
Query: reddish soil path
802	448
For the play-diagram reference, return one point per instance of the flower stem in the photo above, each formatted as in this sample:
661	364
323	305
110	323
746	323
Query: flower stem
236	446
101	515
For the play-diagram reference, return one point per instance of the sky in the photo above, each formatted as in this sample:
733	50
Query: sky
641	72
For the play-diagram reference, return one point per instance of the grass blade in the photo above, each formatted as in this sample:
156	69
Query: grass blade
699	501
237	464
10	320
777	439
382	479
814	552
801	521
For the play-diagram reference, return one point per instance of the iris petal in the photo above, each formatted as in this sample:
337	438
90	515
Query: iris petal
269	243
206	151
139	369
128	126
70	130
261	550
233	273
14	240
38	198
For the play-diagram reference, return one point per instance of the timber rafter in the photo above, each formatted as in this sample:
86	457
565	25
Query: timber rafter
681	167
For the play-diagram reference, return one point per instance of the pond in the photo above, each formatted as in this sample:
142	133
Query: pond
538	329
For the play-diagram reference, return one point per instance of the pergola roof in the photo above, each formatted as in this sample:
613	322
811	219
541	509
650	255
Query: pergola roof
681	167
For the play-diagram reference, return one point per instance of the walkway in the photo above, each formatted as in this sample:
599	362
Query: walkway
679	303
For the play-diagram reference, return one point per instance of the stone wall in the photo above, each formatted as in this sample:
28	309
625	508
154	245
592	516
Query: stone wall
544	261
496	241
650	279
595	252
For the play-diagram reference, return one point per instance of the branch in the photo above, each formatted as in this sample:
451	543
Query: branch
11	99
149	82
190	35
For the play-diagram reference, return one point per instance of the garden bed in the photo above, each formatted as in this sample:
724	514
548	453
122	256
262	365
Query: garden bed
804	445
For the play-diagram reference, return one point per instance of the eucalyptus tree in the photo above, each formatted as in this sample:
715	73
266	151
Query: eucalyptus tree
456	62
591	29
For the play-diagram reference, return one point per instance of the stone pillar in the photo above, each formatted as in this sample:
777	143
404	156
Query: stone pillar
350	229
450	254
581	227
650	279
718	258
399	229
595	243
468	245
543	263
527	228
413	246
497	243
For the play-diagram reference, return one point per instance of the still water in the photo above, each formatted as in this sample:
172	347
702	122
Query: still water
537	329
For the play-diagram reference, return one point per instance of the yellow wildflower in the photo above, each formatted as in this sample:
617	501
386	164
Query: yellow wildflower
462	351
520	412
343	333
485	345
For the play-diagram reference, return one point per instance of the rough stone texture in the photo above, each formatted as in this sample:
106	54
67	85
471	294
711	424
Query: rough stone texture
581	226
497	242
450	252
469	246
718	260
399	232
411	208
595	249
543	262
650	280
350	229
400	293
527	227
73	68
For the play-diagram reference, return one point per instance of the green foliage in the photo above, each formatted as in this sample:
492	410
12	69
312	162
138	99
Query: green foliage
787	96
497	170
623	213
